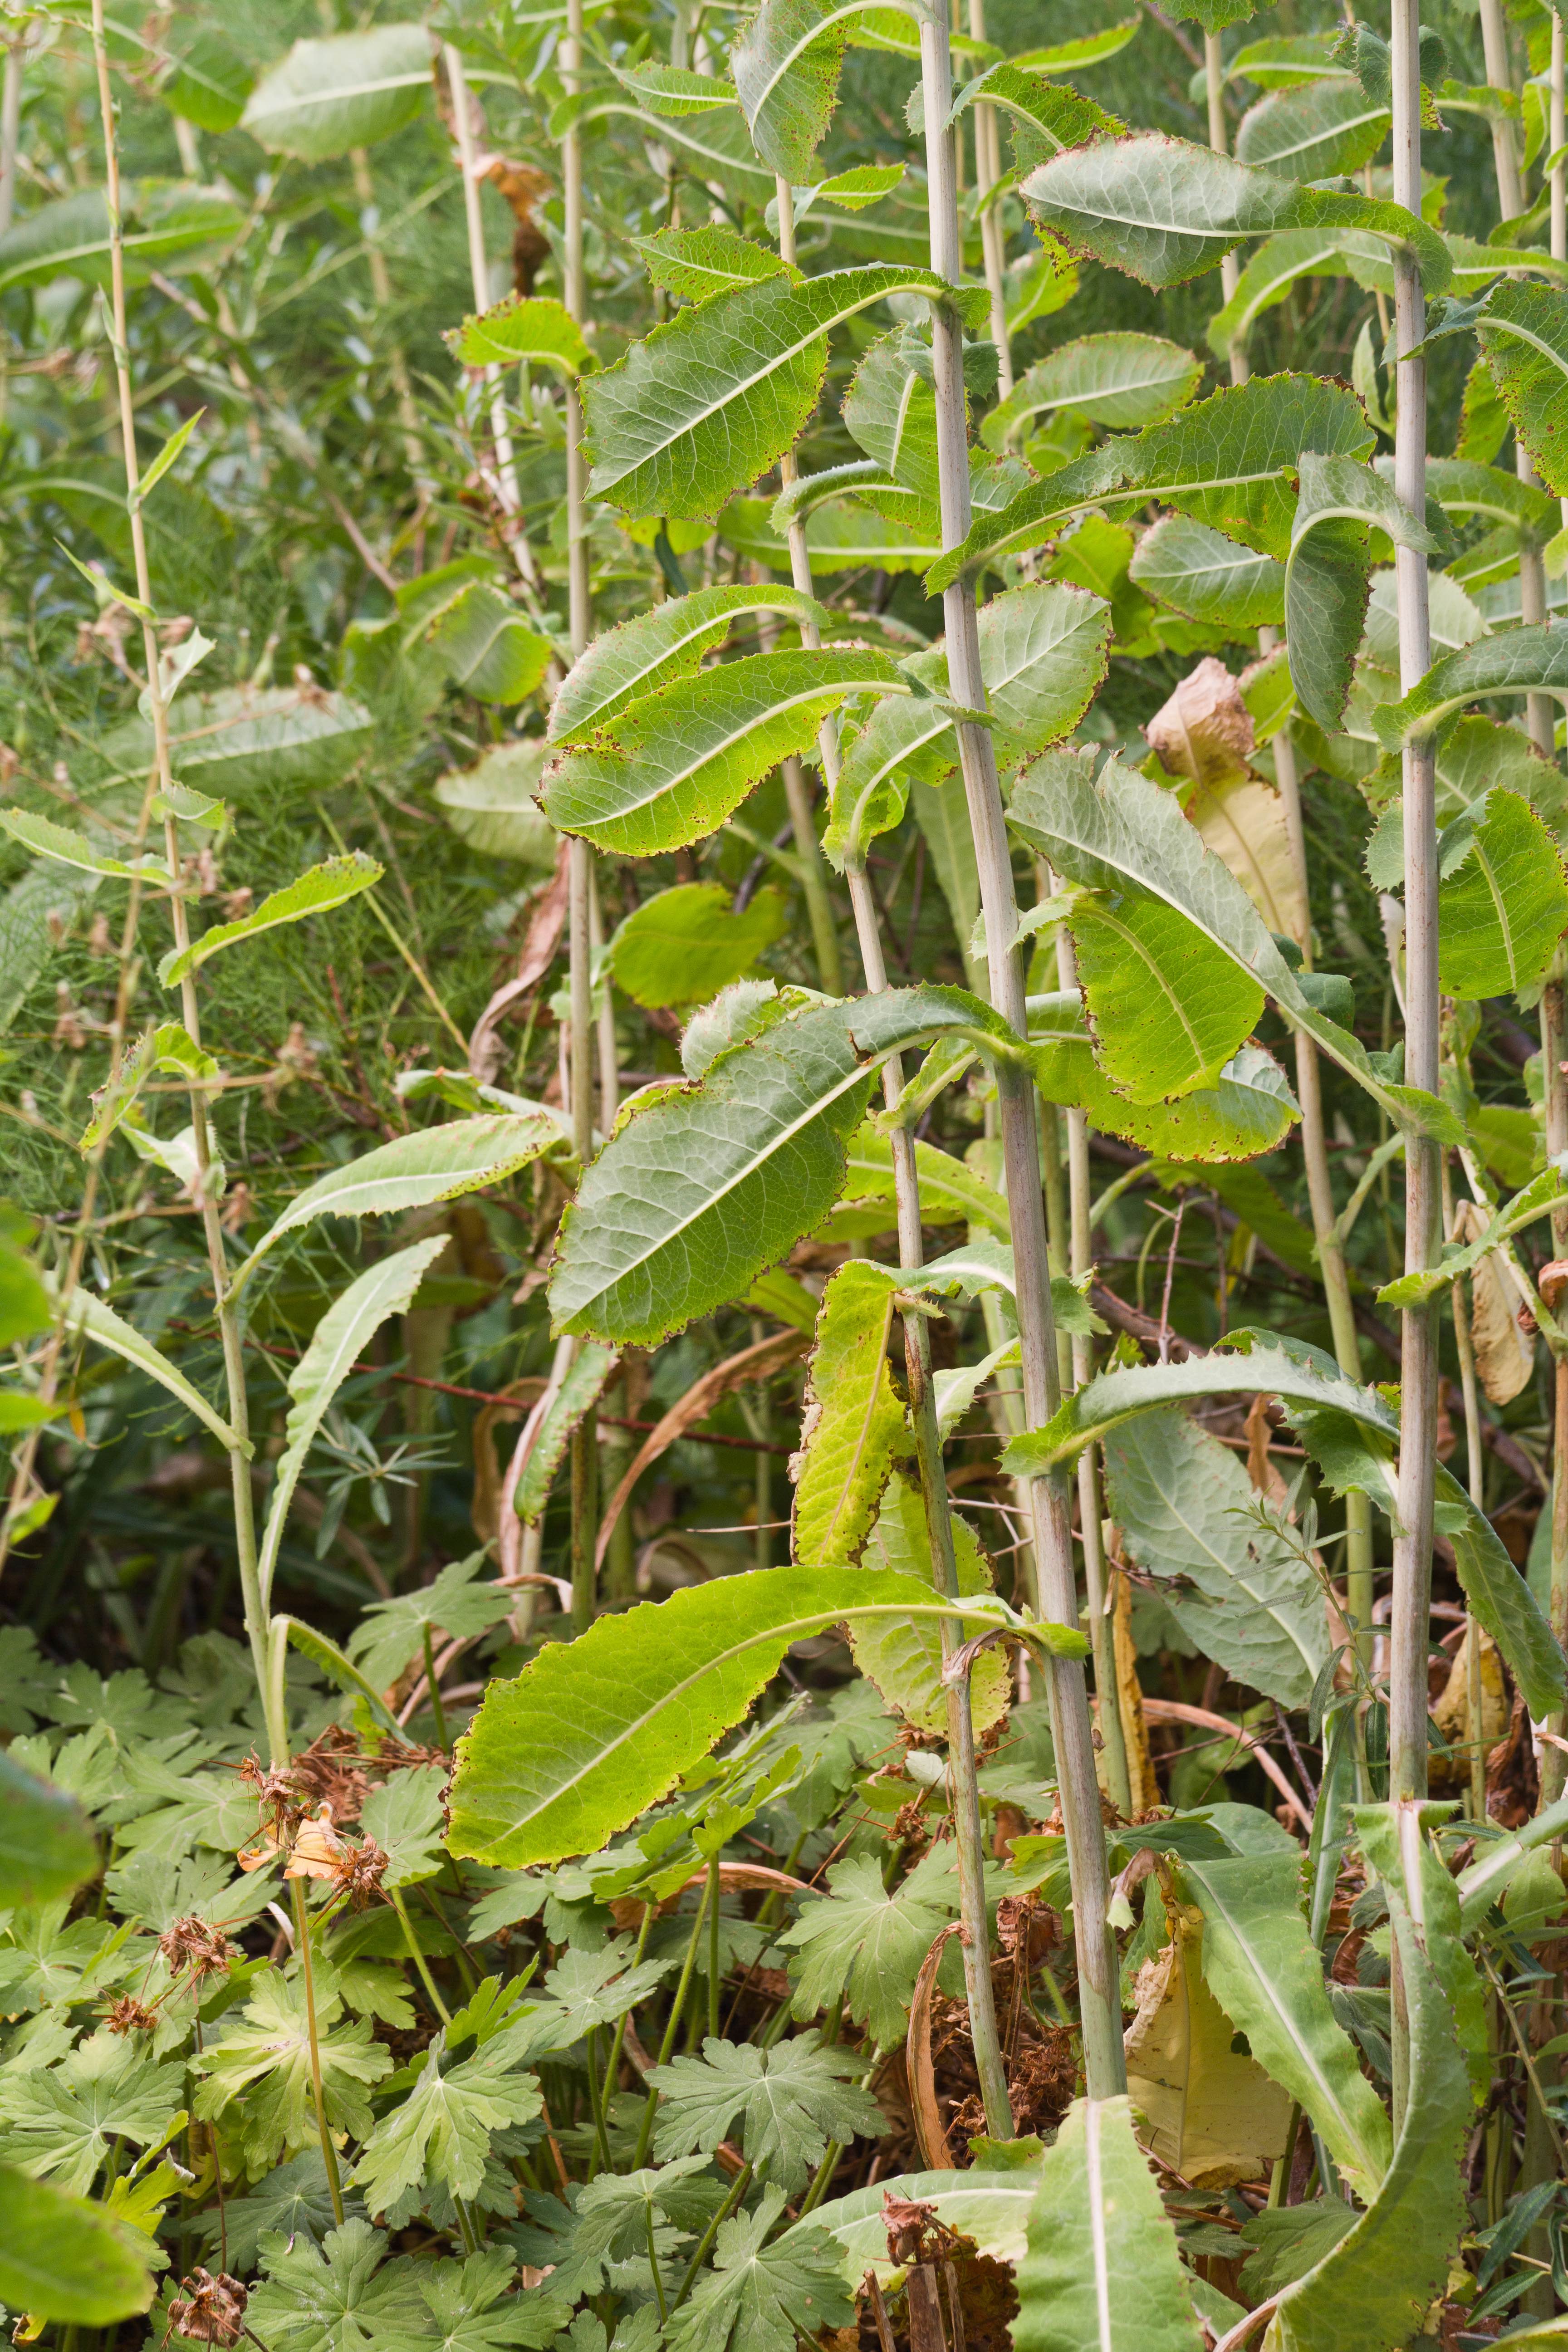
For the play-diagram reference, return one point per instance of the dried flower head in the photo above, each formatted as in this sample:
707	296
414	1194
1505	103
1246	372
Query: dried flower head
359	1870
211	2310
330	1771
191	1945
129	2015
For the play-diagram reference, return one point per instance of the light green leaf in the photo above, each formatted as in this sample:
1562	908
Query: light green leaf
584	1384
1523	332
1121	829
169	1047
786	63
903	1657
294	1632
62	842
673	767
854	1428
62	2259
346	1327
1372	2287
1325	129
1274	268
1121	380
442	2131
1486	1880
493	806
697	263
486	646
702	1186
949	1189
1327	574
1248	1110
1185	1506
47	1847
167	456
764	2293
1502	902
315	892
1208	577
655	649
210	82
264	2062
415	1170
1102	2268
1166	211
990	2206
595	1731
1539	1195
391	1634
791	2101
1102	1405
1266	1974
710	399
1168	1007
258	748
1532	659
686	944
866	1944
347	92
94	1318
523	328
164	227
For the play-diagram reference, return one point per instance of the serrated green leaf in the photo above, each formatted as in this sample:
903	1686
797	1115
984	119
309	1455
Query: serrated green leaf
350	90
522	328
670	769
584	1382
655	649
595	1731
60	2122
1166	211
710	399
414	1172
442	2131
786	65
702	1186
1263	1969
264	2061
383	1290
790	2102
1101	2267
1208	577
1395	1840
1523	332
62	842
1168	1008
1327	129
864	1945
1503	905
854	1428
697	263
1327	574
316	892
339	2299
763	2293
1122	380
1248	1111
903	1657
47	1847
1532	659
1246	1597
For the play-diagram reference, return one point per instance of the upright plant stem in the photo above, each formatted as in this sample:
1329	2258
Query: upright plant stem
1557	140
308	1977
1056	1594
11	123
987	172
963	1785
1102	1629
1475	1466
1230	267
207	1187
1553	1049
1540	708
381	288
1411	1618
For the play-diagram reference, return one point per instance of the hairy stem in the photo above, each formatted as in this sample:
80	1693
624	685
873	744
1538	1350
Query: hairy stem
308	1977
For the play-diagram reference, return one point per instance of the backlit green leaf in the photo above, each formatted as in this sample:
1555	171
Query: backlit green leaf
316	892
1101	2267
349	90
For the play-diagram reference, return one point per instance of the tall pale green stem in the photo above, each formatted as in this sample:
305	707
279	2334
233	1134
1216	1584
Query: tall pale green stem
1057	1593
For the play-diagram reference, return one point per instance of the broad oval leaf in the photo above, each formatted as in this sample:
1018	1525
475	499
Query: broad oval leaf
1207	576
710	399
671	768
494	807
703	1186
249	747
522	328
1327	574
164	224
413	1172
1327	128
63	2258
595	1731
1532	659
1168	1007
1121	380
349	90
684	945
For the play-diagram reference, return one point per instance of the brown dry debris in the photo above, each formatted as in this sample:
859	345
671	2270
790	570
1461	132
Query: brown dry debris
211	2311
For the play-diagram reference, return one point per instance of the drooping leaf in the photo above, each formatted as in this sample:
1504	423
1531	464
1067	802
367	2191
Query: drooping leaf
493	805
165	226
94	1318
1532	659
1213	2114
790	2102
316	892
710	399
673	766
1395	1840
854	1429
1101	2267
1248	1110
346	1327
1247	1599
703	1186
413	1172
486	647
350	90
685	945
1502	901
584	1382
1267	1976
595	1731
1327	574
